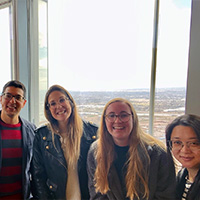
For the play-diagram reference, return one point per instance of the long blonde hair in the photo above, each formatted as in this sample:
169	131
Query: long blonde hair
74	126
138	155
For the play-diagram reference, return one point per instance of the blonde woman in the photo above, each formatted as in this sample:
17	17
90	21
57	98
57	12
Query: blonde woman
60	150
126	163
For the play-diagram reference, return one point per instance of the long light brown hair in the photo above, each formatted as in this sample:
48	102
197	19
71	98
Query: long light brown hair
137	163
74	126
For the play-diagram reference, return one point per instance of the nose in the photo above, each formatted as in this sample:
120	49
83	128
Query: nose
13	99
117	119
58	104
185	148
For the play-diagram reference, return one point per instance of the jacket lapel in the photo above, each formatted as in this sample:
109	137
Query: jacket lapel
56	151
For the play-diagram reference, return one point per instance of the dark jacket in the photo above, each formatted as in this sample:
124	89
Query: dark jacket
27	142
194	191
161	177
49	167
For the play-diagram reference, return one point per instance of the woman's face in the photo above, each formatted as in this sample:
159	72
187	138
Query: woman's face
119	122
186	147
59	106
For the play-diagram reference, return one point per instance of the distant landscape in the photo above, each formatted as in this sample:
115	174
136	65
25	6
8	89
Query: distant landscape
169	103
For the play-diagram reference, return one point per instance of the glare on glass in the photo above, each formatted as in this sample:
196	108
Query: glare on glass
124	117
178	145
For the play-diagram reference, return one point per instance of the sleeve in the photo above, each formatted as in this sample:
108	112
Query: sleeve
162	181
91	167
39	177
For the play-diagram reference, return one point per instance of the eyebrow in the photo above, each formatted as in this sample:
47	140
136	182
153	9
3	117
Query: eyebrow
12	94
192	138
120	112
58	98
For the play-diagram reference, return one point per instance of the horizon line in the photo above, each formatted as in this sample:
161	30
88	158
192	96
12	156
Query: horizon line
122	90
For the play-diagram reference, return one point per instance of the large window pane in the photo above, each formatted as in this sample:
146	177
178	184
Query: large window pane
172	62
102	49
5	47
43	53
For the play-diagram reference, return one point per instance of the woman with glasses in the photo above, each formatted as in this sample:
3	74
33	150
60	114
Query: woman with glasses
60	149
126	163
183	142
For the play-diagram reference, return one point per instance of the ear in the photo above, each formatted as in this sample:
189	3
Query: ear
24	103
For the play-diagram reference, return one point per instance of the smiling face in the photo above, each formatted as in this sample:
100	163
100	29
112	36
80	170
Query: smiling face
120	131
11	107
59	106
187	157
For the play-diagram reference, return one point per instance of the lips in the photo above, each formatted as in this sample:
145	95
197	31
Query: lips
61	112
186	158
13	107
118	127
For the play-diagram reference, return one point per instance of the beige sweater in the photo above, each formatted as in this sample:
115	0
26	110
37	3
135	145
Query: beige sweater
72	187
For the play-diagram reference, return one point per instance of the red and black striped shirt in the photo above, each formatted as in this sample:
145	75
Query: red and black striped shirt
11	169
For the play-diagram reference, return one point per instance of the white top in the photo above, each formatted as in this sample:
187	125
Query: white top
72	187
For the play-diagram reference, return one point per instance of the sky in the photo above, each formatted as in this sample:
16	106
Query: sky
182	3
107	44
173	44
5	47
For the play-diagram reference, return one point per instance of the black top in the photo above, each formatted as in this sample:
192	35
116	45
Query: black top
194	191
120	165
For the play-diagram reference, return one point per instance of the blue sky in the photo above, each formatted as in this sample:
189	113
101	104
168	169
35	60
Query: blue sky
182	3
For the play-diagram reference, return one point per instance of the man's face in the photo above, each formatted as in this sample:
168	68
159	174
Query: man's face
12	101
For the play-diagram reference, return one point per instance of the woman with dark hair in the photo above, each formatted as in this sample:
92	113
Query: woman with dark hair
183	144
126	163
60	149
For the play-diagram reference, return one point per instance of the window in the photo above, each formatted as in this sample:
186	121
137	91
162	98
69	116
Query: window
5	41
172	62
43	56
99	50
5	48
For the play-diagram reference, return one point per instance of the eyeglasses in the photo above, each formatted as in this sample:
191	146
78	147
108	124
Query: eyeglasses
124	117
9	96
177	145
61	101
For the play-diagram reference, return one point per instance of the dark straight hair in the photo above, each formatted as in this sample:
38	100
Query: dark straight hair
15	83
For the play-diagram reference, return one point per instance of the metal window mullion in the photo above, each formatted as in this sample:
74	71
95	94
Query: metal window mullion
153	67
15	42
